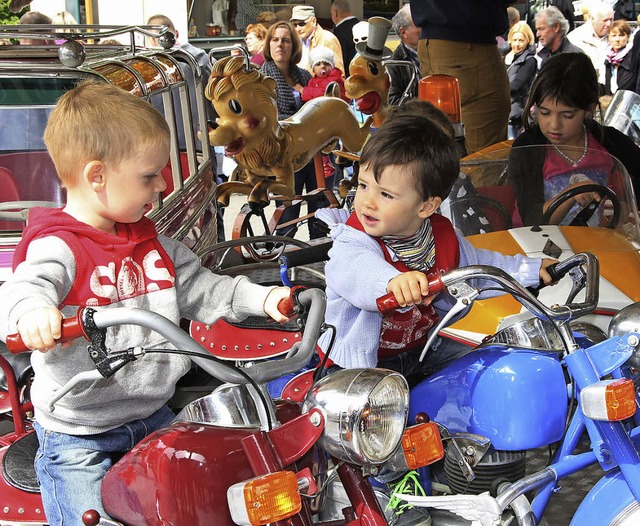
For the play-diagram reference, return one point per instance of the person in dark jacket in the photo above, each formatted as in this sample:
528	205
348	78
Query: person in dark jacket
619	73
407	51
551	30
564	6
344	21
521	69
458	38
565	97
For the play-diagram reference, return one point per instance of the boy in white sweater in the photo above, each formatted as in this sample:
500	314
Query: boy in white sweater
392	236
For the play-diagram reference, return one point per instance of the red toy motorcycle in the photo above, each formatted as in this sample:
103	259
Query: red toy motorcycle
236	456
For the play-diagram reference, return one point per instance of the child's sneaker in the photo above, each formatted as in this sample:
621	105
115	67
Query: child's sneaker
406	513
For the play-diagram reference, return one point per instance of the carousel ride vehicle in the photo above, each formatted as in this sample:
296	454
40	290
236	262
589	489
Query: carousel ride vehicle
489	218
34	76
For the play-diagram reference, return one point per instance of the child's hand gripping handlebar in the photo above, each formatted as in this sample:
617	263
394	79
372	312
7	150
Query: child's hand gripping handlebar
583	269
388	302
71	329
92	324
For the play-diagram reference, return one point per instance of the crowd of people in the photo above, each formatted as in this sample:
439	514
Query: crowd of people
394	230
606	41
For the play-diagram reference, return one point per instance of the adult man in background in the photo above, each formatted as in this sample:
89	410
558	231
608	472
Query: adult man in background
344	20
551	29
592	37
303	18
407	50
532	8
199	54
202	58
503	42
458	38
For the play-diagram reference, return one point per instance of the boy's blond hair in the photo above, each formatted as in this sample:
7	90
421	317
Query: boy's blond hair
97	121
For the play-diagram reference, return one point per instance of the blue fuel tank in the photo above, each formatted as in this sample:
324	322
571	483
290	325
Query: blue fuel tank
515	397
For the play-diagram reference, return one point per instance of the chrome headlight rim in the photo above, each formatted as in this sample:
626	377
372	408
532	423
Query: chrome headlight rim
365	413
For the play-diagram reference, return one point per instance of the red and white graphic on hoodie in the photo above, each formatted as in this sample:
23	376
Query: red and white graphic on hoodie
108	268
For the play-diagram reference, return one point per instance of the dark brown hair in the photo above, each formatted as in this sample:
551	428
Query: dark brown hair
418	137
567	78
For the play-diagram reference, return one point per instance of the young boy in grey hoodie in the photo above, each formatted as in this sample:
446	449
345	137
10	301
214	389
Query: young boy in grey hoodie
109	148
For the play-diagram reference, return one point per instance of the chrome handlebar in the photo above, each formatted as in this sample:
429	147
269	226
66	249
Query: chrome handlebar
583	268
299	355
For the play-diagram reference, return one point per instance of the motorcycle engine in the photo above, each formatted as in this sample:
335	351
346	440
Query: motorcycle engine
494	465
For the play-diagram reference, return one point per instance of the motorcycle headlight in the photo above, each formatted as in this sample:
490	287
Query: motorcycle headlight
625	321
365	412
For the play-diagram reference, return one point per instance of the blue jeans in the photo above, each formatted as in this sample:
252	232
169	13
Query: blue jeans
443	351
70	468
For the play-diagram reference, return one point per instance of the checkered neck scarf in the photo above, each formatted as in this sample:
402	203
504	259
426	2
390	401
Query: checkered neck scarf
285	100
418	251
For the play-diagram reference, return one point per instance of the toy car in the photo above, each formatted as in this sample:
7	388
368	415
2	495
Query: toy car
486	213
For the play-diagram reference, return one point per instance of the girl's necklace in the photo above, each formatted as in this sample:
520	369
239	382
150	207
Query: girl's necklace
571	161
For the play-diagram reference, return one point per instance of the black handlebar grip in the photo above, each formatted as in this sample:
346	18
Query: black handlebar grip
307	255
553	272
287	306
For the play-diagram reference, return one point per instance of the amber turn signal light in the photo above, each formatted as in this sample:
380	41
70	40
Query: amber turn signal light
422	445
609	400
266	499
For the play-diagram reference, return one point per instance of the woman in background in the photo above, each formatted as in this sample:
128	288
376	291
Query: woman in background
254	39
521	69
282	52
619	73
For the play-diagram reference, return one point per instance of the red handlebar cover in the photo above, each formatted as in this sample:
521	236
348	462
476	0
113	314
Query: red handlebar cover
388	303
71	329
286	306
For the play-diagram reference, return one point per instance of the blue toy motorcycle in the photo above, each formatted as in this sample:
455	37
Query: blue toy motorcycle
538	382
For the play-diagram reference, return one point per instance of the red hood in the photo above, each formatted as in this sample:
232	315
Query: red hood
53	221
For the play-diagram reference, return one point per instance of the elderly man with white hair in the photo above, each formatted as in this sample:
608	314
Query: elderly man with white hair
551	30
407	51
593	36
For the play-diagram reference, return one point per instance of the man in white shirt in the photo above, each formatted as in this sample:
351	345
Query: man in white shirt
592	36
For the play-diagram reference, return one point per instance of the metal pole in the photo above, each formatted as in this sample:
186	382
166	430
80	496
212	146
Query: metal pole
88	11
73	7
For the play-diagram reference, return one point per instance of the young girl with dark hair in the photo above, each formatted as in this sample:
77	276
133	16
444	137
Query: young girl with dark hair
562	103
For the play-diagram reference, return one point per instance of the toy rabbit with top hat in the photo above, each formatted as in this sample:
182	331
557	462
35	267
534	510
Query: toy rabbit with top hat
368	82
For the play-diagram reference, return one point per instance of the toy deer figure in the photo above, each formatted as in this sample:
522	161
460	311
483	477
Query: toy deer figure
368	82
269	151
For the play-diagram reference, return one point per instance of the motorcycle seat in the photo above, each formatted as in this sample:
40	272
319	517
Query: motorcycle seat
17	463
252	339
